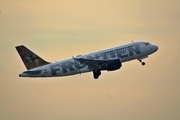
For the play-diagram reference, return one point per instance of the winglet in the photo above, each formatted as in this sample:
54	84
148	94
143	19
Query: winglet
30	59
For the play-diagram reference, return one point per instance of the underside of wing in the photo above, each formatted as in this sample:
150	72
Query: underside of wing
90	63
109	64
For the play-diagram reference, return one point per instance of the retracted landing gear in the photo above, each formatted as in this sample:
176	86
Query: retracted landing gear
96	73
143	63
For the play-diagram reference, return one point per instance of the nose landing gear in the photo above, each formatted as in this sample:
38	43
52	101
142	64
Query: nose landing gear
143	63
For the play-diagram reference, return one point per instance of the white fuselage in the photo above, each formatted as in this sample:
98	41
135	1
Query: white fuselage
71	66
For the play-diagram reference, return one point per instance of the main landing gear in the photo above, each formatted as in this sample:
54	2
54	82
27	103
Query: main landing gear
143	63
96	73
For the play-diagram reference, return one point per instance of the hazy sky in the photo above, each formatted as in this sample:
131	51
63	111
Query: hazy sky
59	29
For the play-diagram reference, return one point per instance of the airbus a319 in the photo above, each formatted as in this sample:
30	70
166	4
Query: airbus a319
109	59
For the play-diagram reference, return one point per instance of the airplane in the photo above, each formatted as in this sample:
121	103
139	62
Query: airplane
110	59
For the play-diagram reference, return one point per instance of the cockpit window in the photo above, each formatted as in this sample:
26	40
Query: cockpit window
146	44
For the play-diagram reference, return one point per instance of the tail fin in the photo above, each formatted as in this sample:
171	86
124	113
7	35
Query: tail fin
30	59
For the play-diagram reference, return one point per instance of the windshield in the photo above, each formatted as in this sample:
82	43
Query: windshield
146	44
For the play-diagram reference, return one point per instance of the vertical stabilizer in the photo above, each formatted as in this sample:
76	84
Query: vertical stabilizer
30	59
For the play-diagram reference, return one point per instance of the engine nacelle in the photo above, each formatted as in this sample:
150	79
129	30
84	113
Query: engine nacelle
112	65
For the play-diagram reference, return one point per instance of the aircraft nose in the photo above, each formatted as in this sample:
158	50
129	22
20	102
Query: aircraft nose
154	48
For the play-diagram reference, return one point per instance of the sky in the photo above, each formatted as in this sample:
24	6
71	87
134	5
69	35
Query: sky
60	29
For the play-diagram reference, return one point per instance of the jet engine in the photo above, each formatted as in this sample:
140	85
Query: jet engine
112	65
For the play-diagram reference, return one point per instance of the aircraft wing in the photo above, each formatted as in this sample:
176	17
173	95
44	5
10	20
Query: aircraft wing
94	63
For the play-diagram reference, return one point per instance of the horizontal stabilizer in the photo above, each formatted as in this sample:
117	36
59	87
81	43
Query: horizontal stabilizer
33	72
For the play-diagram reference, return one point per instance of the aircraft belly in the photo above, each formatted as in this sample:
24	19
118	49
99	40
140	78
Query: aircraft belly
129	58
68	72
